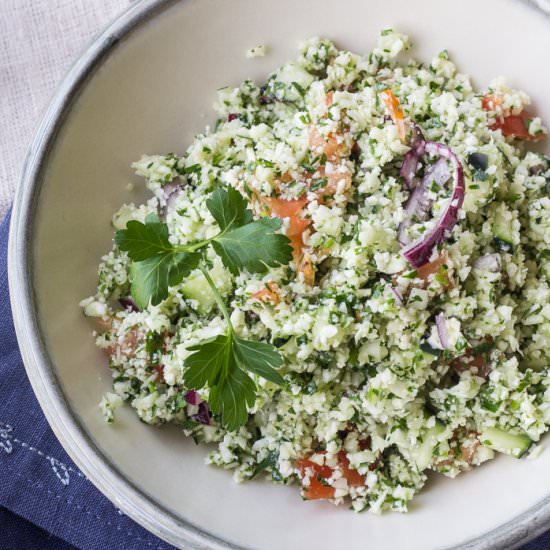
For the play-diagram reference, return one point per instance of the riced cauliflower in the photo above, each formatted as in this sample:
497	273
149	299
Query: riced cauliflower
412	315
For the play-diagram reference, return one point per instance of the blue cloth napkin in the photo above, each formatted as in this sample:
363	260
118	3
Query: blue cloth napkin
39	483
45	501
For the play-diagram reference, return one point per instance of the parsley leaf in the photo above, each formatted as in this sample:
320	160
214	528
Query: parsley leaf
156	264
210	363
254	246
231	398
228	208
243	243
220	364
259	358
150	278
142	241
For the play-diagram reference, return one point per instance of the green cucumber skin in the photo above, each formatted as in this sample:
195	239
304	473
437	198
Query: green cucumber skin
503	442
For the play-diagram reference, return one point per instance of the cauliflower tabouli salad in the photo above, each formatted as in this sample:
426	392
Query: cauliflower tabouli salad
345	283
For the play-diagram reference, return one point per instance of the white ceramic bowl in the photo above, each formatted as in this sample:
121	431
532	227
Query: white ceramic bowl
147	85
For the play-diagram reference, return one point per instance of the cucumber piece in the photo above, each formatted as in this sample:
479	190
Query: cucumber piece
422	454
290	82
505	442
196	287
503	229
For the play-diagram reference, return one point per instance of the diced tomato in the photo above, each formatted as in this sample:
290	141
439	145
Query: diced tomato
305	267
333	146
396	112
424	271
286	177
337	180
516	126
269	294
469	447
354	478
317	475
491	102
477	357
296	228
335	150
127	346
297	225
510	125
290	209
285	208
467	361
365	443
317	487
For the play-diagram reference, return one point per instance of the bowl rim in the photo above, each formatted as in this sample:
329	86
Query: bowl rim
78	444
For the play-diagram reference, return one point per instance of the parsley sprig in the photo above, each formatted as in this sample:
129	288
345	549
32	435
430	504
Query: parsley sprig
222	363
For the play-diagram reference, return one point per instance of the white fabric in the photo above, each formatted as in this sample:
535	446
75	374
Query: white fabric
39	40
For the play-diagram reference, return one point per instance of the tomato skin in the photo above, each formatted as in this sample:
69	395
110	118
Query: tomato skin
353	477
396	112
429	268
516	126
510	125
317	489
283	208
270	294
329	145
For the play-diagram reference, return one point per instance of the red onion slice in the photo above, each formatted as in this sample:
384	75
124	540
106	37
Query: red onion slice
409	168
170	188
418	252
192	397
491	262
128	303
398	296
418	204
441	324
171	191
203	416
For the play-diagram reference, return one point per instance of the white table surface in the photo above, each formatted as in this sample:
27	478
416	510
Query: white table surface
39	40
